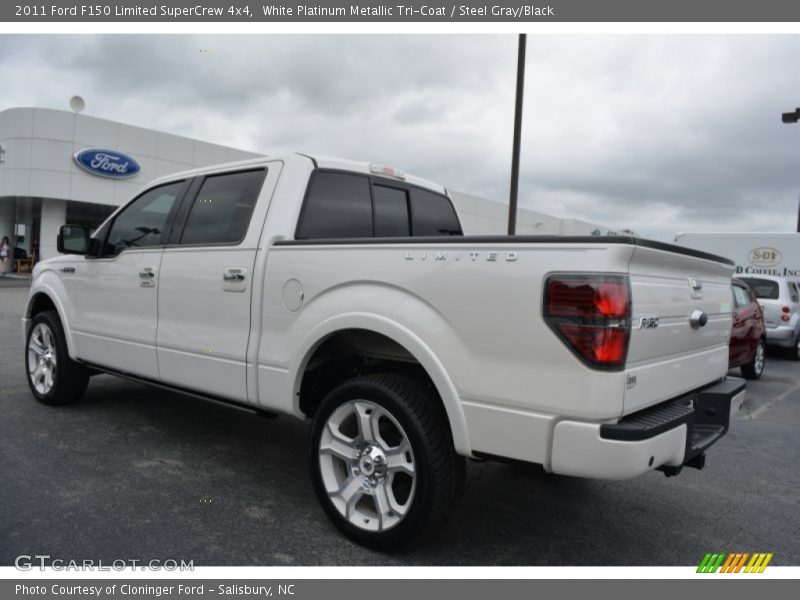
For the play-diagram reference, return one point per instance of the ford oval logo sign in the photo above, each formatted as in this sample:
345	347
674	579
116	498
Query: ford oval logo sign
106	163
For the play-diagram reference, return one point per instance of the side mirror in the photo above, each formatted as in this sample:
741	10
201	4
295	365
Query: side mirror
73	239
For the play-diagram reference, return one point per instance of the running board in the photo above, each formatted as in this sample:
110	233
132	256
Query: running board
259	412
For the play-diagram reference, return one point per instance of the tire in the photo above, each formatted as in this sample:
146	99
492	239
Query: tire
793	351
401	478
54	378
755	367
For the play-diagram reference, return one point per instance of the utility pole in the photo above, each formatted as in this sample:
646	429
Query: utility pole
793	117
512	201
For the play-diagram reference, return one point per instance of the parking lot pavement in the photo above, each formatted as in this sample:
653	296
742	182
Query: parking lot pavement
136	473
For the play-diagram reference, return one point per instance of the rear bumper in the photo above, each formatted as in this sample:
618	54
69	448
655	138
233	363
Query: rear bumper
668	435
782	335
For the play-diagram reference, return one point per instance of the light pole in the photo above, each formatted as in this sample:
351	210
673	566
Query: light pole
793	117
512	200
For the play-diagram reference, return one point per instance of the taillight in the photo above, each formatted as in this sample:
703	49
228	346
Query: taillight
591	314
785	310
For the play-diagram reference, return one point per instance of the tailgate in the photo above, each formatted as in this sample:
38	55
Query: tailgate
668	354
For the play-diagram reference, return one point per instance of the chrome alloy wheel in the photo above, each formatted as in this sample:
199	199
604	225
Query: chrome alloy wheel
42	359
367	465
758	359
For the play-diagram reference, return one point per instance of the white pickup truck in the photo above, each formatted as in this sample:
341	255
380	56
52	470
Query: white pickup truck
345	293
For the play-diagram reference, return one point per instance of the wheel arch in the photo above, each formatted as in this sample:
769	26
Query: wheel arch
386	342
44	298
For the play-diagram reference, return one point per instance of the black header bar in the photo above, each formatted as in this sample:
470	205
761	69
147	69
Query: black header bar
402	11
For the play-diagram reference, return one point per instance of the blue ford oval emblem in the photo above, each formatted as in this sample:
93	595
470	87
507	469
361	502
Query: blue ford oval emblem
106	163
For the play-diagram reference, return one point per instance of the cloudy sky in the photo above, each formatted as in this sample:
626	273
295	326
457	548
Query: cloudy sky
658	133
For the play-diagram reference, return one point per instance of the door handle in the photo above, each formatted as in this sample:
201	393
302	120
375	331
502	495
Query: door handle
234	279
234	275
147	277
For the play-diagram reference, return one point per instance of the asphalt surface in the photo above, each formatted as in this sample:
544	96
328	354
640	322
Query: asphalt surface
135	473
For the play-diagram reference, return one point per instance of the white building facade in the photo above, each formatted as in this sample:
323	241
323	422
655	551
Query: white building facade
43	185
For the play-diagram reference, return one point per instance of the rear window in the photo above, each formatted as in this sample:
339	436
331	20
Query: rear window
765	289
338	205
391	212
432	214
351	205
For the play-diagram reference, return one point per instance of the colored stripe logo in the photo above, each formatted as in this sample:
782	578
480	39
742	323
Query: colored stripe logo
737	562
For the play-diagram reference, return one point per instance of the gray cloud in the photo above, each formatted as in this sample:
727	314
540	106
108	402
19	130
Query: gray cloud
658	133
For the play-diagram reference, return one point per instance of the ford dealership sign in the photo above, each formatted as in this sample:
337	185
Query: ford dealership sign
106	163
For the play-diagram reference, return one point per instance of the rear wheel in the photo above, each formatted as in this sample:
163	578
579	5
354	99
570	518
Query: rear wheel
794	350
755	367
54	378
382	460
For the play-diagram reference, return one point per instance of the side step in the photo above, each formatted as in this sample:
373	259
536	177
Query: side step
705	413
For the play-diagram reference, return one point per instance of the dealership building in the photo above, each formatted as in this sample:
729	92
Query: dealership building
44	185
59	167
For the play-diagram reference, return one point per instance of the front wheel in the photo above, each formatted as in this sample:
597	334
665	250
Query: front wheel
755	367
382	460
54	378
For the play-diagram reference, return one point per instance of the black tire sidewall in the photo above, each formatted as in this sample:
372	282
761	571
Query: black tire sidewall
44	319
64	377
415	520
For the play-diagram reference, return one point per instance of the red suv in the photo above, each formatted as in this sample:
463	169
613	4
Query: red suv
748	335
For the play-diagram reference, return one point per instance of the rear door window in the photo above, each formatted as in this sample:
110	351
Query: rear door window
221	211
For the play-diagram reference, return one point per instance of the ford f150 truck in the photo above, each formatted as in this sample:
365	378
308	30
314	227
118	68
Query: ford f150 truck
346	294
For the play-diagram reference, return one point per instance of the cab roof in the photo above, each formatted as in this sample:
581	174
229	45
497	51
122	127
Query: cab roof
320	161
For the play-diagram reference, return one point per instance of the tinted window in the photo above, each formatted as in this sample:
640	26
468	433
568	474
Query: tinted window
221	211
391	212
432	214
142	222
764	288
338	206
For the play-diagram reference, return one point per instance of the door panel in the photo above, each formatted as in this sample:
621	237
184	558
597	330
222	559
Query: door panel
203	328
205	291
115	321
116	293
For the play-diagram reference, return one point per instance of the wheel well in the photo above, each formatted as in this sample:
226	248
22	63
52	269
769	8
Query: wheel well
350	353
39	304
